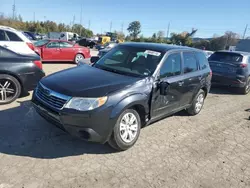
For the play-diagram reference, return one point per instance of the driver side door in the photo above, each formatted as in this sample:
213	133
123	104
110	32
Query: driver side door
170	74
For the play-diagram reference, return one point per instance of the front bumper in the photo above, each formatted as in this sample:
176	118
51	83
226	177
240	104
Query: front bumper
236	81
94	126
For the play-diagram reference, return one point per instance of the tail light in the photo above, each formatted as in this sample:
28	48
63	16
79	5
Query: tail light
30	45
243	65
38	64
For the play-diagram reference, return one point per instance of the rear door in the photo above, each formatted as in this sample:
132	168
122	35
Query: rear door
51	52
171	73
67	51
192	77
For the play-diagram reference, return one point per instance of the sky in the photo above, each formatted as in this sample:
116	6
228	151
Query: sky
208	16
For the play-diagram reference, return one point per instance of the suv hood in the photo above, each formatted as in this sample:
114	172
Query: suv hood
87	81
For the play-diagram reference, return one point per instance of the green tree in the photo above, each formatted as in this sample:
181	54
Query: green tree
134	29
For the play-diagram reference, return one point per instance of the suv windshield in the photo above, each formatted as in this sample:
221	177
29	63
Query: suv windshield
226	57
129	60
40	43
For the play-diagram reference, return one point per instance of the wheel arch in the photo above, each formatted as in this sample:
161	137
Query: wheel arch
14	75
137	102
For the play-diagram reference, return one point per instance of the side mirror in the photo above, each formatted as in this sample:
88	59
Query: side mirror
94	59
62	35
163	88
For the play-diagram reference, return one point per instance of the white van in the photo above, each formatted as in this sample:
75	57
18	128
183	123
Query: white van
15	40
62	35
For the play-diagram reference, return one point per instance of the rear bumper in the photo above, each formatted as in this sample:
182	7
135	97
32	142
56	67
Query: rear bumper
30	80
238	81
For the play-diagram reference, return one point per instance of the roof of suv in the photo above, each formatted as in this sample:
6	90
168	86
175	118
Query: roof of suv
156	46
235	52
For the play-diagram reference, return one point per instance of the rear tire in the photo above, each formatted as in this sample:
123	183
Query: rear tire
197	104
10	89
246	89
78	58
126	130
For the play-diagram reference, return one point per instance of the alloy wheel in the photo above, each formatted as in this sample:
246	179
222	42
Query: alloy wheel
7	90
248	86
78	58
128	127
199	103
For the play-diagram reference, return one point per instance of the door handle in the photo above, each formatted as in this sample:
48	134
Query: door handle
181	83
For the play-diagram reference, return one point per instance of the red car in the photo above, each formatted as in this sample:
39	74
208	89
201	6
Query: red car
59	50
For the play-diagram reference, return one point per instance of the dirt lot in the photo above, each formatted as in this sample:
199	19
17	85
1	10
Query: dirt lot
208	150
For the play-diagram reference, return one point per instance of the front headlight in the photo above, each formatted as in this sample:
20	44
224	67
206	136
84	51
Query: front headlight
85	104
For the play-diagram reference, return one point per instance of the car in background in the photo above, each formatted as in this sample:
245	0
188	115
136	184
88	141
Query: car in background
231	69
103	52
87	42
18	73
33	36
59	50
208	53
15	41
108	45
132	86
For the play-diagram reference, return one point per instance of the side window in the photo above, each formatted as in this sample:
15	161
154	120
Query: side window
203	62
190	62
53	45
65	45
13	36
3	36
172	66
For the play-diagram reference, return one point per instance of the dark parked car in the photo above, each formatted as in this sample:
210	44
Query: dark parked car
103	52
86	42
130	87
18	73
231	69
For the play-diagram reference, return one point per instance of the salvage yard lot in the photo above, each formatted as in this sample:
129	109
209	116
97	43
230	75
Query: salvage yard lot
211	149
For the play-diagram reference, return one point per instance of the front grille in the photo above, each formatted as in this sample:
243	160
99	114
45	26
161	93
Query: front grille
51	98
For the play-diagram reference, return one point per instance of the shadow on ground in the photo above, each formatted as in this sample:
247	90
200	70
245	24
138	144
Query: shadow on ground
224	90
24	133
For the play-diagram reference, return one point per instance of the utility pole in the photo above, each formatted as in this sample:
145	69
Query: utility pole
245	31
34	16
168	29
122	26
73	23
110	26
81	22
14	10
89	25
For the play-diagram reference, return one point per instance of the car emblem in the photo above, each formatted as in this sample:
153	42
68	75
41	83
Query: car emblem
47	92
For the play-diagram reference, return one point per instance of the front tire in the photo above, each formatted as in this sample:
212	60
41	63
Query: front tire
197	104
126	130
10	89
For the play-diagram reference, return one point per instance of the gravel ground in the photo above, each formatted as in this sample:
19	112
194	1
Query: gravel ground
211	149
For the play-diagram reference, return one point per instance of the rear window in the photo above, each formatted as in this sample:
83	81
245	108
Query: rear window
13	36
226	57
203	62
